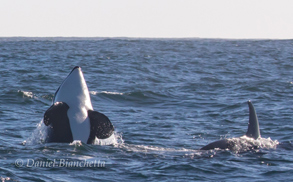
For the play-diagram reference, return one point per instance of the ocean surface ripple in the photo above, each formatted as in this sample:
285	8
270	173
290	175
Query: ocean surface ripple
166	98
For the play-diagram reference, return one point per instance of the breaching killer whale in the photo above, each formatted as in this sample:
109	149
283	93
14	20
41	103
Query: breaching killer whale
71	117
252	132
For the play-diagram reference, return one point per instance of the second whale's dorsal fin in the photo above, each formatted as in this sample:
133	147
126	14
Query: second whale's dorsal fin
253	126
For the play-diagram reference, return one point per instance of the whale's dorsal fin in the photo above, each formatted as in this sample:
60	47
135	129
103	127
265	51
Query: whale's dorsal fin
253	126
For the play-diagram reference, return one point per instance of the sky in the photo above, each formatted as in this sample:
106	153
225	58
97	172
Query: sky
233	19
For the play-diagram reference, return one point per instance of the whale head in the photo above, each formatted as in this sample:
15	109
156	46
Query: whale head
74	90
71	117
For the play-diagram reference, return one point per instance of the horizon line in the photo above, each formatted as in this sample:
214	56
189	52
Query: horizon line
126	37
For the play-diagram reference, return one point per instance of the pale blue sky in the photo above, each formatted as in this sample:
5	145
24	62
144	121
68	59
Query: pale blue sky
148	18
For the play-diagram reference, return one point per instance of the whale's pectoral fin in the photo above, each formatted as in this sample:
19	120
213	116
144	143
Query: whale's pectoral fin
56	112
101	126
253	125
47	116
56	117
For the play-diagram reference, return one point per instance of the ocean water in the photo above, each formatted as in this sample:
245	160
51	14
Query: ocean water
166	98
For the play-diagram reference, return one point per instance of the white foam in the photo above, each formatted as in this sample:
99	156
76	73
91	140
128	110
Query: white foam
147	149
108	141
76	143
245	143
5	179
27	94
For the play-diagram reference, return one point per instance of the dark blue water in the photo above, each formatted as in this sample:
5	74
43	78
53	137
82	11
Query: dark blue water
166	99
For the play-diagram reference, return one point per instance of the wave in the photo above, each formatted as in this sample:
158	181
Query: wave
149	149
141	97
31	95
135	97
105	92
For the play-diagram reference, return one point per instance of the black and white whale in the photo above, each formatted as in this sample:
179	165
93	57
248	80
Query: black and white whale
71	117
252	132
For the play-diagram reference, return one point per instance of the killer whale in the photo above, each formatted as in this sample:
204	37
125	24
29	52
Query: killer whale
72	117
252	132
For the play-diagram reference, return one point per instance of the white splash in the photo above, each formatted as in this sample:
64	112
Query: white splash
108	141
27	94
3	179
39	134
76	143
244	143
